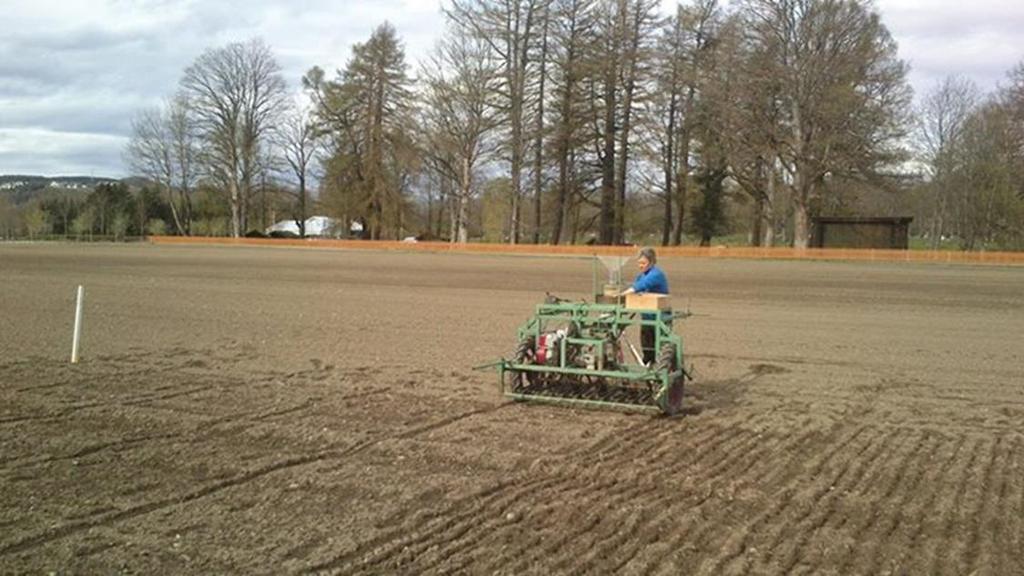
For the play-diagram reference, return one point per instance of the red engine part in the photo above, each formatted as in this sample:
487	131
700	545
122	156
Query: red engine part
547	347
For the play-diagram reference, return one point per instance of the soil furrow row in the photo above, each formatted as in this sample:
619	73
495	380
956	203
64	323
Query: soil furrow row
370	552
168	396
1005	522
1017	512
887	536
467	507
936	550
89	450
652	491
671	508
701	537
564	483
880	487
822	508
237	480
663	522
274	413
978	552
516	558
948	557
924	514
141	509
626	457
876	442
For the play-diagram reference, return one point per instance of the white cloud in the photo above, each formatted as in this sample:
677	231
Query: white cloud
33	151
85	67
73	73
981	40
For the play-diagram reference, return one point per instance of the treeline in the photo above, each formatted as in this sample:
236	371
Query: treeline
119	210
972	148
596	120
110	210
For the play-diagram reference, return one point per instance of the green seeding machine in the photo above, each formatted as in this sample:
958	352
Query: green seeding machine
581	353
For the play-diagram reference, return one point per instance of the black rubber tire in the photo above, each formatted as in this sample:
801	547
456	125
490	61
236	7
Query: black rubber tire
670	399
524	355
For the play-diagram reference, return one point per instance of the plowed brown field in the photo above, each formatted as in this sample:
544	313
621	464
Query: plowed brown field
282	410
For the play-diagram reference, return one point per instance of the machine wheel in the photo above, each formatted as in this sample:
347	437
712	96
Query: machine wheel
669	398
524	355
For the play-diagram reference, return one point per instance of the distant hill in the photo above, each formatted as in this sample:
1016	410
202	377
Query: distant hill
20	188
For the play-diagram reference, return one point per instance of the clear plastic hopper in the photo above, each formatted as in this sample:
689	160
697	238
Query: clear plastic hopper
613	286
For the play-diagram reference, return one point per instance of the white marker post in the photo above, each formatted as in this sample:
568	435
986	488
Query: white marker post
78	325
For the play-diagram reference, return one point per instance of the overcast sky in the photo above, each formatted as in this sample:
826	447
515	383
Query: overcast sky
72	73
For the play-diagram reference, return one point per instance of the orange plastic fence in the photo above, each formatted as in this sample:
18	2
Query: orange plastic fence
689	251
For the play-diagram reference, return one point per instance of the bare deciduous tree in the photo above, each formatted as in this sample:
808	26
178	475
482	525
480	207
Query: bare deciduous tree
987	207
683	51
299	143
163	148
941	120
238	95
510	29
573	22
460	113
1013	100
842	92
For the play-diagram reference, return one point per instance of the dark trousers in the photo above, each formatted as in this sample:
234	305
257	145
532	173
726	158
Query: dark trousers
647	344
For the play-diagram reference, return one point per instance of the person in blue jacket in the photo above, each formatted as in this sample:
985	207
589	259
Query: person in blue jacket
652	280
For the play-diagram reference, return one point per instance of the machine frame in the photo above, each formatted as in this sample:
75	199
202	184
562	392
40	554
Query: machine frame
591	327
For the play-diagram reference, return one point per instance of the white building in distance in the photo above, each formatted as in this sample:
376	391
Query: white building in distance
315	226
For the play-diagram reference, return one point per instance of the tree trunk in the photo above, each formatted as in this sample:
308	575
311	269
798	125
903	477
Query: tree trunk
768	213
801	223
302	205
629	90
186	205
517	163
619	233
538	164
464	192
245	194
174	212
561	192
443	193
606	224
430	207
669	168
235	217
453	214
682	187
516	113
575	212
756	229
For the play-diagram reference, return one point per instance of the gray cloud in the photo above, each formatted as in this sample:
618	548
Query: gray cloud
33	151
85	68
73	74
980	40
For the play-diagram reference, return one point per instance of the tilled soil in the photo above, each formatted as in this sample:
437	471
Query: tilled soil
278	410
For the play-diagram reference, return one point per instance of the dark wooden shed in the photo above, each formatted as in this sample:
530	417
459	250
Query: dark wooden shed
886	233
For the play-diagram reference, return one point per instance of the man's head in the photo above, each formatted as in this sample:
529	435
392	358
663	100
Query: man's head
646	259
